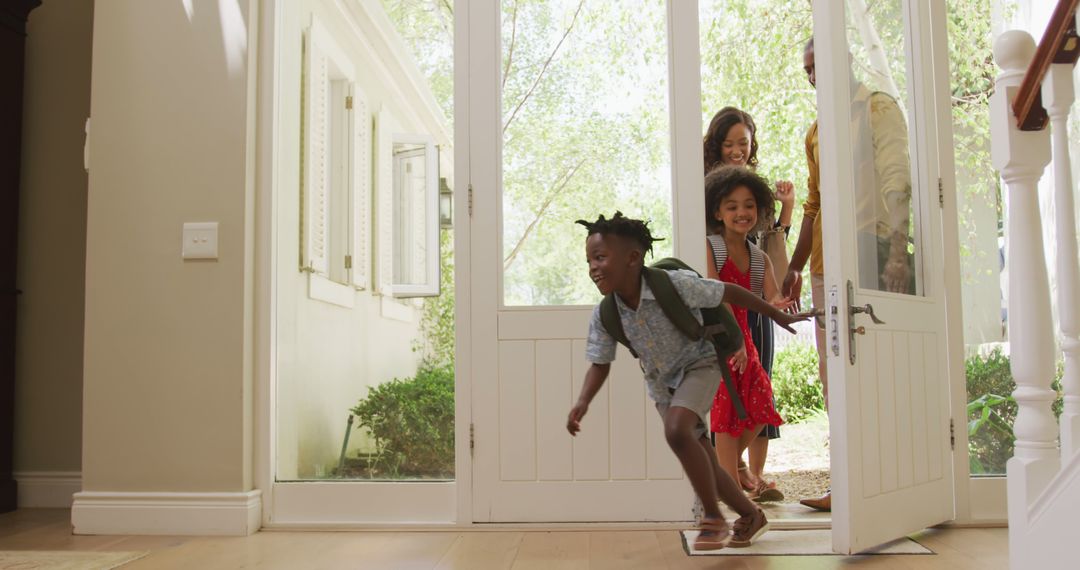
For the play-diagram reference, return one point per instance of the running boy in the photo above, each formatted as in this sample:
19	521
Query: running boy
681	375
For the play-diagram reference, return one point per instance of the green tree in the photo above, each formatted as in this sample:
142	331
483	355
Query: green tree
585	111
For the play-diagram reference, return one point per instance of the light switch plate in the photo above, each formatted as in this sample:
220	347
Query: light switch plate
200	240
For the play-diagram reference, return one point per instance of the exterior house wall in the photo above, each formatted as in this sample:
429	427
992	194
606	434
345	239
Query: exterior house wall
329	355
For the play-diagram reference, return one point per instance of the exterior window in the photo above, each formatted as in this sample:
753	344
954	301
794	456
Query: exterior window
408	212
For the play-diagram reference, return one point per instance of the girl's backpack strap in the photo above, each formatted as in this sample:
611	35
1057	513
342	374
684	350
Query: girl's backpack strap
757	262
609	317
718	247
757	270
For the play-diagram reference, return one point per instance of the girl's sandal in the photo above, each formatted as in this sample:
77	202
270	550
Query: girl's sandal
744	478
767	492
712	535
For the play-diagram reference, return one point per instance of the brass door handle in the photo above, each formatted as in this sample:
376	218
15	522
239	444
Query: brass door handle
869	310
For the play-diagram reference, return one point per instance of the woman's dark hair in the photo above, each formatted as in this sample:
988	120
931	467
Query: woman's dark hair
724	180
721	123
620	225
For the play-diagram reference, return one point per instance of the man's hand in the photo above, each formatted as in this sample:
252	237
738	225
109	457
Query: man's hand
738	360
573	421
897	274
792	287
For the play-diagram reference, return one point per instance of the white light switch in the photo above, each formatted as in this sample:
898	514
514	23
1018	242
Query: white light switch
200	240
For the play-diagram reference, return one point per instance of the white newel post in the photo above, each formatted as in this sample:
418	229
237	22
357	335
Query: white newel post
1021	157
1058	96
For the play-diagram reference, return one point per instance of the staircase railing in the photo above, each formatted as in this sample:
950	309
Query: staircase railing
1021	150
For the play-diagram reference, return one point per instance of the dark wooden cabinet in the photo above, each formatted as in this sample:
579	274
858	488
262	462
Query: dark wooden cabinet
13	16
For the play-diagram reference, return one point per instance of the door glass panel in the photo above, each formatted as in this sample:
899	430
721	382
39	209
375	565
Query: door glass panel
585	132
365	376
882	130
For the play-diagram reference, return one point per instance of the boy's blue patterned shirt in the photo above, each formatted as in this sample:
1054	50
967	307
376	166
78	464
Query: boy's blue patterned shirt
664	352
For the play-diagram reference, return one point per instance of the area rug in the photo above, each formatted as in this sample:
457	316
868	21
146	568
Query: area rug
798	543
64	560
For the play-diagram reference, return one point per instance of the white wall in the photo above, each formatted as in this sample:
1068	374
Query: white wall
52	242
167	371
328	355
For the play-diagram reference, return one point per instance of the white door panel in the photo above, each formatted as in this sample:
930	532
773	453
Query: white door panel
892	468
529	361
543	474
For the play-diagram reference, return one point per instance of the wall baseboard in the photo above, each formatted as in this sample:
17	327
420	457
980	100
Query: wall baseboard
226	514
47	489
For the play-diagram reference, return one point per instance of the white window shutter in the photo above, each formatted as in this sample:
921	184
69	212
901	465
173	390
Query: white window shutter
419	226
317	171
361	190
384	201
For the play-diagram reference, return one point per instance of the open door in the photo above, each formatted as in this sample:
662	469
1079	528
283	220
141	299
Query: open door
527	330
884	270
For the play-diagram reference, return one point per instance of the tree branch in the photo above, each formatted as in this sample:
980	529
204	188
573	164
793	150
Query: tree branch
559	186
510	52
875	52
543	70
439	6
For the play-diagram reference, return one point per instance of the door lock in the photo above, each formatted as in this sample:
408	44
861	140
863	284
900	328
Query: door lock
832	314
853	330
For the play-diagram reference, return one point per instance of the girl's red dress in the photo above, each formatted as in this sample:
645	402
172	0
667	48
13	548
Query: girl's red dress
753	385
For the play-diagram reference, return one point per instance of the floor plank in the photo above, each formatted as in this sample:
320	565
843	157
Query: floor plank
492	550
50	529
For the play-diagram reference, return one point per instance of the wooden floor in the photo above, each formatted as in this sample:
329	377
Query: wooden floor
50	529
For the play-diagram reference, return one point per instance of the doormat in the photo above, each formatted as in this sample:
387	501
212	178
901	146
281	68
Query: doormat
798	543
65	560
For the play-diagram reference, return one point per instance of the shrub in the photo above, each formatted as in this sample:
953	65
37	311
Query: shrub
412	423
992	411
795	383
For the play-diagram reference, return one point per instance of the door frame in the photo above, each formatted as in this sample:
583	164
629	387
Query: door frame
481	102
979	501
327	512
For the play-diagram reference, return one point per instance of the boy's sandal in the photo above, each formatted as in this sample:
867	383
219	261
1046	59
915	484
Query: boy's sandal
712	535
767	492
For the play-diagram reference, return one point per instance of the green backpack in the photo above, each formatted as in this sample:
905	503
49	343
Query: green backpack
719	324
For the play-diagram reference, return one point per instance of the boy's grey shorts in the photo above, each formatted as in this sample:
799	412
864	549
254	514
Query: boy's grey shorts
696	393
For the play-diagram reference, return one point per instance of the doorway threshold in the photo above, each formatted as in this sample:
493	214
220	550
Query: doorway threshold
790	516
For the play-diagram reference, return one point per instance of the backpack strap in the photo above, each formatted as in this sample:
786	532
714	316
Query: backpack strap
757	262
757	270
683	318
718	247
671	303
609	317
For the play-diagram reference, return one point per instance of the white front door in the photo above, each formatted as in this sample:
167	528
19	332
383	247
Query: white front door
892	466
545	150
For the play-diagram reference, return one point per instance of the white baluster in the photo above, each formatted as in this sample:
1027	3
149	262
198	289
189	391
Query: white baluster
1021	157
1058	96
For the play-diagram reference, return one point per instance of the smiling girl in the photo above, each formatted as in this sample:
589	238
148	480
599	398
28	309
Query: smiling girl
737	200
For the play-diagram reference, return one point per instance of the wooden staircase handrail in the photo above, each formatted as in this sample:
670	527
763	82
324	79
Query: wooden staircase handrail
1060	44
